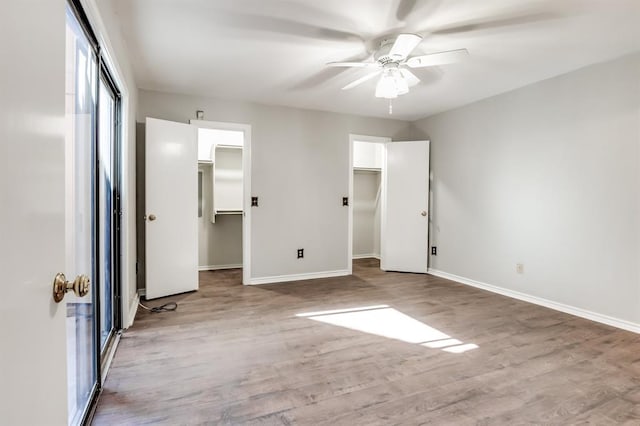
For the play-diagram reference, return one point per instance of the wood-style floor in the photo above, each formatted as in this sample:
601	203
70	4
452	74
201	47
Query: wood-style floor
234	354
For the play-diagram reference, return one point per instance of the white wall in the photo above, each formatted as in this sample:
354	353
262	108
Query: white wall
548	176
219	243
107	28
300	172
366	213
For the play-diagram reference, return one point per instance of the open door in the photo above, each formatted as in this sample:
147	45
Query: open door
171	219
405	215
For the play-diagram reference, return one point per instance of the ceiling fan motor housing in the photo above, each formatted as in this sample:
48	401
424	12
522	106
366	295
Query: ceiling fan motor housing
383	55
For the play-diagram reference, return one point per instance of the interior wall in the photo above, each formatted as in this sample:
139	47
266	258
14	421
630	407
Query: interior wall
546	176
300	172
366	213
219	243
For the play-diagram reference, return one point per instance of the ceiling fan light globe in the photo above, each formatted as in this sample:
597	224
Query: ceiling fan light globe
401	84
386	87
386	95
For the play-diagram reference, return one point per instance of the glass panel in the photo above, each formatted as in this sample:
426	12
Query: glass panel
106	144
80	91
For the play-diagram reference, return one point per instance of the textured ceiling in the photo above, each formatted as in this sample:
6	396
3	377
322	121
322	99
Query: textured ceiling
275	51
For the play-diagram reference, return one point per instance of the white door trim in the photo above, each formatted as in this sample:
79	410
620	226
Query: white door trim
246	187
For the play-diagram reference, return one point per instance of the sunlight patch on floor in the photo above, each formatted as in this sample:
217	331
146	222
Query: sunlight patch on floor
385	321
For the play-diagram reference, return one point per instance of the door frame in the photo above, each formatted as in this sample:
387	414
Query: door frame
372	139
106	355
246	186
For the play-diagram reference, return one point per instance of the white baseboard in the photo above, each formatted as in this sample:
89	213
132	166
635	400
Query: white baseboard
133	309
579	312
366	256
216	267
297	277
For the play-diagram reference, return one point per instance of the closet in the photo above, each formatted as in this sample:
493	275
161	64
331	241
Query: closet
367	178
220	198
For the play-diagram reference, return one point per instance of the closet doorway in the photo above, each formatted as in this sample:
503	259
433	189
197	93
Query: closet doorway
367	169
389	209
223	191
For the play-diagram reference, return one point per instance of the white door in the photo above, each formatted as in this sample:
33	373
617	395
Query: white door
33	365
45	218
171	256
405	215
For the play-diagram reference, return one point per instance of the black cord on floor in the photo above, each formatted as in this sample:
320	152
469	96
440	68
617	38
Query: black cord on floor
167	307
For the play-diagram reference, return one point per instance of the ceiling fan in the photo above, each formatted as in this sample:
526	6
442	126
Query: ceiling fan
391	62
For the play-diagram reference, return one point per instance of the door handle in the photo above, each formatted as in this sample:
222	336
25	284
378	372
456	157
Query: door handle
423	213
61	286
152	217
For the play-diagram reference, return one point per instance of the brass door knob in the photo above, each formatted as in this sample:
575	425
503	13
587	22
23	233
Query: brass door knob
423	213
152	217
61	286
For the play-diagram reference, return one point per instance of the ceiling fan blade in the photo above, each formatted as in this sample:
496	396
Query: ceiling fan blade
410	77
361	80
327	73
404	9
440	58
403	46
495	22
286	26
354	64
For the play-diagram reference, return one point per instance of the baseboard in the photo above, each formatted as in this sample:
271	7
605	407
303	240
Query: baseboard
366	256
568	309
133	309
297	277
216	267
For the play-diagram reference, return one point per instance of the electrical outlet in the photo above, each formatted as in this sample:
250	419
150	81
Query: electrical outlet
300	253
520	268
434	251
345	201
254	201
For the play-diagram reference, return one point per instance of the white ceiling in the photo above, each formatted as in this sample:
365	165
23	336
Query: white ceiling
275	51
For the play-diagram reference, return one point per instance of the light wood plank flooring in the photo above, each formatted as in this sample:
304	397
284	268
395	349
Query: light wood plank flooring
234	354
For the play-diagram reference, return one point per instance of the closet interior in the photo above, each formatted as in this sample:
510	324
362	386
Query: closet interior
220	203
367	177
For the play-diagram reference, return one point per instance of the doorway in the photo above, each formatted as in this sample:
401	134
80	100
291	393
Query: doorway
389	193
367	167
223	210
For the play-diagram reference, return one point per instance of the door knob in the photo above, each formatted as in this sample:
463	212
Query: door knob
152	217
61	286
423	213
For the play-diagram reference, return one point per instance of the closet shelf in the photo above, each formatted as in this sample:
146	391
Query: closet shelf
228	212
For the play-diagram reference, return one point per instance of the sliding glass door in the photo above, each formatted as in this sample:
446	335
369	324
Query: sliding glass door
81	92
93	201
108	216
